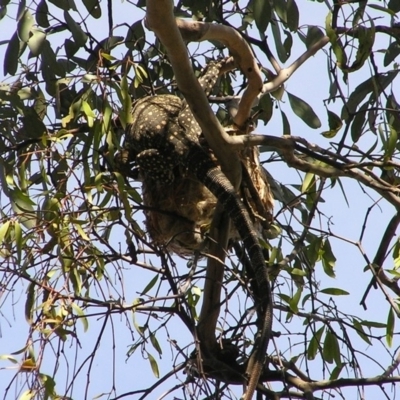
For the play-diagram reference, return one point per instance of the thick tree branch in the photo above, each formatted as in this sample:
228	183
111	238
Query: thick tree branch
325	163
242	54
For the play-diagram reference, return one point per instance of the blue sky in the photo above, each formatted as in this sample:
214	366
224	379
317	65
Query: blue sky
111	363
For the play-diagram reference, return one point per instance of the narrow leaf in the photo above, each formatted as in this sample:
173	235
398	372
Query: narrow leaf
304	111
390	328
154	365
285	124
314	345
4	231
360	331
262	13
335	124
25	25
30	301
155	343
335	292
82	316
292	15
150	285
41	14
93	8
79	36
11	57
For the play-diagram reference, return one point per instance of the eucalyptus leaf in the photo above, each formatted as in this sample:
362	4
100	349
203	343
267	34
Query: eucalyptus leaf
304	111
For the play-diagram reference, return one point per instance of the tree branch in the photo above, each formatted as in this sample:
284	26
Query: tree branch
242	54
161	20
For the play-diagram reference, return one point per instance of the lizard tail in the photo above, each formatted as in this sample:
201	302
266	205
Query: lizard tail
212	177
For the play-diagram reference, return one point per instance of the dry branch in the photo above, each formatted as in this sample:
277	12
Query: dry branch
242	54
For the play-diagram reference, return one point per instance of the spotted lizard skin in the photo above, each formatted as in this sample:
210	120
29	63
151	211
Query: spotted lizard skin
164	136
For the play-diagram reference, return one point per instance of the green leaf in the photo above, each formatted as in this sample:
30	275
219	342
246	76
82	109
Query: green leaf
390	327
90	115
280	7
49	60
314	250
335	291
36	42
25	25
314	34
79	36
63	4
23	206
150	285
294	302
331	350
136	37
374	85
21	9
29	303
335	124
336	372
74	275
390	144
314	345
140	329
49	386
3	12
394	6
70	48
328	259
288	43
304	111
81	232
359	121
280	48
297	271
82	316
308	183
266	105
93	8
11	56
194	295
18	239
262	13
366	39
28	395
292	15
41	14
285	124
360	331
373	324
4	231
140	75
9	358
392	112
154	366
126	112
284	297
155	343
335	42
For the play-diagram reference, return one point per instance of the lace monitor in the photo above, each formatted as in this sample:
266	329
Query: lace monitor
165	135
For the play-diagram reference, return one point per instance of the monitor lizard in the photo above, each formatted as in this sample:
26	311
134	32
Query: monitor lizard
164	135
